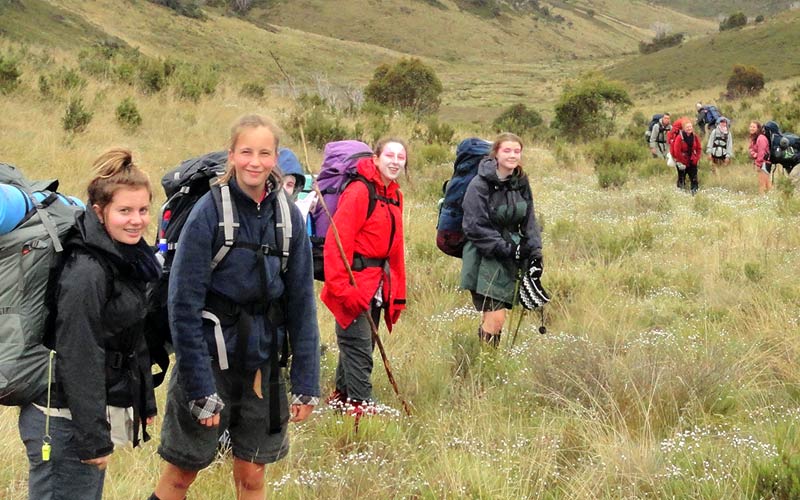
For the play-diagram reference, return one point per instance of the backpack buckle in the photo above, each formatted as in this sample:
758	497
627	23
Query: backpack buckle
114	361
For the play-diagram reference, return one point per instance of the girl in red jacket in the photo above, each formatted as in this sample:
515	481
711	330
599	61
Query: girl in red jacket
686	151
759	152
374	248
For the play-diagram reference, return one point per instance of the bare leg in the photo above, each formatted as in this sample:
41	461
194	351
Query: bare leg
249	479
174	482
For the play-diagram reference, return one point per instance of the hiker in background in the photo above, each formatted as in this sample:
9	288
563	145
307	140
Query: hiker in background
294	181
720	145
501	232
103	389
759	152
373	246
225	331
707	116
658	137
686	151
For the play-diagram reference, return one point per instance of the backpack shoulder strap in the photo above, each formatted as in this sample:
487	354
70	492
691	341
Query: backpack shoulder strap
283	227
373	195
228	219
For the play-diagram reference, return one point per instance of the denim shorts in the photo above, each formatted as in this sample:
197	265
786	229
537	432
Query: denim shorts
64	476
191	446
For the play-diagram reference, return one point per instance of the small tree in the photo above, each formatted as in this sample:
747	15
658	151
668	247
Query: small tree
128	114
745	81
9	74
409	85
587	108
76	117
736	20
517	118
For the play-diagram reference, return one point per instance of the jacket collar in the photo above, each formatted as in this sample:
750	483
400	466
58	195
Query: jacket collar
488	170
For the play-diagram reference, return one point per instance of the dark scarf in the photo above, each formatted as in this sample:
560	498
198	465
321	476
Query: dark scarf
141	260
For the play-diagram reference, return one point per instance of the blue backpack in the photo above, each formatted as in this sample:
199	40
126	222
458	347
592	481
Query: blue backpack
449	233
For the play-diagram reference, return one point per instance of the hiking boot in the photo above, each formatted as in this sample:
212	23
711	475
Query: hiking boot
694	191
336	399
358	409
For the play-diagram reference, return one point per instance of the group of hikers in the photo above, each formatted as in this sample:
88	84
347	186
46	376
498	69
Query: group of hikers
680	145
226	332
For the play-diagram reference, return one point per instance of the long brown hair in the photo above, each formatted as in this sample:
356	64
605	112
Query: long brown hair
115	169
759	130
249	122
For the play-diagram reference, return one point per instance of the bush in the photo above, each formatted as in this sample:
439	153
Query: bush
617	152
433	154
611	175
187	8
587	108
44	86
439	132
736	20
254	90
9	74
745	81
193	82
76	117
409	85
319	128
759	18
517	118
152	77
128	114
68	79
659	42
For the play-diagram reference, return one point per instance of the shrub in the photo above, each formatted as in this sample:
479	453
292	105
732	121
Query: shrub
433	154
745	81
587	108
517	118
736	20
128	114
611	175
187	8
617	152
759	18
409	85
68	79
9	74
44	86
661	41
253	90
152	78
193	82
76	117
439	132
319	128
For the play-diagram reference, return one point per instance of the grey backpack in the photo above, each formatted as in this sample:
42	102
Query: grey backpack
29	253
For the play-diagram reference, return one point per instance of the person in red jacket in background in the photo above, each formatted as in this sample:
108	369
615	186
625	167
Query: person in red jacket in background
686	151
374	248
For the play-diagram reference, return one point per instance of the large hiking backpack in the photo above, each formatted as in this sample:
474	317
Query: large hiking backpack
708	116
449	233
784	148
719	146
29	264
655	119
338	170
184	186
677	126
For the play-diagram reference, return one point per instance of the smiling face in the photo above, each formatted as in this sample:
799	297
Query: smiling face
391	161
753	128
509	154
253	157
126	217
688	127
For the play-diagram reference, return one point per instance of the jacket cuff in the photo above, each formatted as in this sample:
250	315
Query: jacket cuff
85	454
301	399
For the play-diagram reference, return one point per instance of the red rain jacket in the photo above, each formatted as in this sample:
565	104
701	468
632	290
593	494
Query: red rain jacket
688	154
369	238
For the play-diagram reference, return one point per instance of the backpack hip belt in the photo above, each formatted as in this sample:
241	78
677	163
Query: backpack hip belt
360	262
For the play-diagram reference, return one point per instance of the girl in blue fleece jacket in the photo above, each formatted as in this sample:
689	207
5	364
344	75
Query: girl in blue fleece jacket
229	325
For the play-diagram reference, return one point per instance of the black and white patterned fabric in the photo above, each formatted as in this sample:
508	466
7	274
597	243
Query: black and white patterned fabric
300	399
206	407
531	292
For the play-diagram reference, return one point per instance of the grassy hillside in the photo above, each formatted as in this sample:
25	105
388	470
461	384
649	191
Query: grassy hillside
708	61
718	8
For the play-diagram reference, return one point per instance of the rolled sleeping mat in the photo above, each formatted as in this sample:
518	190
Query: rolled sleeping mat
14	204
40	196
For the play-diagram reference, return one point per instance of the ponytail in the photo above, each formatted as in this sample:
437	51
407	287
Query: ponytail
113	170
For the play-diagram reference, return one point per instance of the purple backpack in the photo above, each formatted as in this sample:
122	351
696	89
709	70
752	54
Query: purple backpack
338	170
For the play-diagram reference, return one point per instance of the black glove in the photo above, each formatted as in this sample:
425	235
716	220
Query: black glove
539	265
522	252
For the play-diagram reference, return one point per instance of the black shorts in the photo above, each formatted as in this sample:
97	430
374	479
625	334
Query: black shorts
483	303
191	446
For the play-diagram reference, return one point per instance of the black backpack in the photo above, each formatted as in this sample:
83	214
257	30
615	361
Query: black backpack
655	119
184	186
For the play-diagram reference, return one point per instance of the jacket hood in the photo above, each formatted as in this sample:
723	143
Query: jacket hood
488	170
290	165
90	234
367	168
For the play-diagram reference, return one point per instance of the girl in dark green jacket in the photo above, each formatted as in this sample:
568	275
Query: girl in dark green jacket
501	231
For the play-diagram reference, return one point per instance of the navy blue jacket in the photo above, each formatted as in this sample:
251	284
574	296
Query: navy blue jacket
237	278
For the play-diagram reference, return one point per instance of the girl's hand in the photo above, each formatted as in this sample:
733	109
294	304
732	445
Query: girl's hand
100	462
300	412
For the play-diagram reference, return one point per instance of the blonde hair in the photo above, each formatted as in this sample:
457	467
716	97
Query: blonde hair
250	122
115	169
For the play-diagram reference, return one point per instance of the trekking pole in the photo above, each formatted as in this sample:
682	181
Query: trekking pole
515	303
372	324
301	125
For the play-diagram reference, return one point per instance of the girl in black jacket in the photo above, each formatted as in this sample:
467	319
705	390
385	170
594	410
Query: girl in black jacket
102	390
